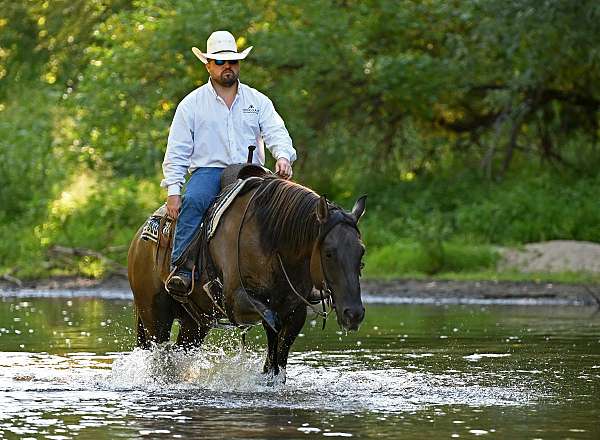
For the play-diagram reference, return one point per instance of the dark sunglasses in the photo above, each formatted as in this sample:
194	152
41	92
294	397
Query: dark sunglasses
222	62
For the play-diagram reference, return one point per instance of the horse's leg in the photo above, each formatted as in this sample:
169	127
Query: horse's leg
157	318
154	307
191	334
293	324
271	365
142	340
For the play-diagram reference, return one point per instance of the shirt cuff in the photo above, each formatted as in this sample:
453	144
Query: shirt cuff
173	190
284	156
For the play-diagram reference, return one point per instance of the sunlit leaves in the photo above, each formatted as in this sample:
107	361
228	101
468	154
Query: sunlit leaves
454	69
396	88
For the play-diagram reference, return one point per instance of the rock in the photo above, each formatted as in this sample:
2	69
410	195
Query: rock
553	256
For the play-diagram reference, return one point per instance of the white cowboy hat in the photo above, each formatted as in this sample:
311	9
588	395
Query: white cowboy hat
221	46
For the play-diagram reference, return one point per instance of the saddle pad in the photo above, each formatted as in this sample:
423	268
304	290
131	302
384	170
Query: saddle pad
225	200
150	230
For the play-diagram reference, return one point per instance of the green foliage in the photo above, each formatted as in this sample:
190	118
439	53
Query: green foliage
20	251
405	258
105	219
27	167
469	80
523	208
466	122
536	209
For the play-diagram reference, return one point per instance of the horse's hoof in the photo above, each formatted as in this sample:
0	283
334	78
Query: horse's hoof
274	378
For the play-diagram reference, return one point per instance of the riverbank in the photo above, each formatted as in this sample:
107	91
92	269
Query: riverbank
409	289
554	272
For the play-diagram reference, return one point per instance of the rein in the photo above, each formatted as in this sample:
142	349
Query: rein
322	314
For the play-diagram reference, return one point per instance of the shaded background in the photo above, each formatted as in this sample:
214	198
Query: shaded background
470	124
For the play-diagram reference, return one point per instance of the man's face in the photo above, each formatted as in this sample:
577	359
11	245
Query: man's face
226	74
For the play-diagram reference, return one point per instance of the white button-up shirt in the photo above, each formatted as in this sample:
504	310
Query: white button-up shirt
206	133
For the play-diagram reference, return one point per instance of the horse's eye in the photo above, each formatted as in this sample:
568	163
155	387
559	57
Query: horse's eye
328	255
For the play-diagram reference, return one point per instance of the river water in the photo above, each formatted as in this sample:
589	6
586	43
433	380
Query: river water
68	369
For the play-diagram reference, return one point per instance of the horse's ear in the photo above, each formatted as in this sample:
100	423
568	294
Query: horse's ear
359	208
322	210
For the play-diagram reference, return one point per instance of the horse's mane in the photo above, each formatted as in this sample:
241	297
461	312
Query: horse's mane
286	215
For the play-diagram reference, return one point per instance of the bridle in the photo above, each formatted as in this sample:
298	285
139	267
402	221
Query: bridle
318	276
317	270
336	217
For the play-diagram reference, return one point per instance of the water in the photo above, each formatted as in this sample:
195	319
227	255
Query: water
68	370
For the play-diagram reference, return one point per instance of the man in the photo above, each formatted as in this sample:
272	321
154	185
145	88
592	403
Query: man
212	128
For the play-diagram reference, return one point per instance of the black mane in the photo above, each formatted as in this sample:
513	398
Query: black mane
286	215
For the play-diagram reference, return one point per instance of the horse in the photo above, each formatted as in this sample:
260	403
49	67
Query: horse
272	246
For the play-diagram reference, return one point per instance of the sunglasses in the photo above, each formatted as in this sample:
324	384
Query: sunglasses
222	62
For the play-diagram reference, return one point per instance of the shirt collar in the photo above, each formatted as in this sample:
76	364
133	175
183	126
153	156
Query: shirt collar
214	92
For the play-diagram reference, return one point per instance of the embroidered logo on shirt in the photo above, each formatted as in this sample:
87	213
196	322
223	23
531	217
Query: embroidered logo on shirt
250	109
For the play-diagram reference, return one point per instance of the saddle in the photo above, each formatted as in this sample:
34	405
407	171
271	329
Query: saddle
159	229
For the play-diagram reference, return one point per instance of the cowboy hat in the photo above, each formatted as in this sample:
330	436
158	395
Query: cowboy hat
221	46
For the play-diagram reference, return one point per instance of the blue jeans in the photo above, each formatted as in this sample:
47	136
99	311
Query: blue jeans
200	190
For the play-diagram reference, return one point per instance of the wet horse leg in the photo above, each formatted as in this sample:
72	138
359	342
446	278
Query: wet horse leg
271	366
191	334
243	308
293	324
156	320
279	343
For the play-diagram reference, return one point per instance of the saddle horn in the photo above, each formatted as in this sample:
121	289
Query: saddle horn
251	149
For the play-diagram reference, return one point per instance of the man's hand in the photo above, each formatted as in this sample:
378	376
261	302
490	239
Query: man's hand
283	167
173	205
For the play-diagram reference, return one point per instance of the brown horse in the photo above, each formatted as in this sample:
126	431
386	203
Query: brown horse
272	246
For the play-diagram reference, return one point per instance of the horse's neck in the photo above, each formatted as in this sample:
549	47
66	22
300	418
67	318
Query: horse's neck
295	257
297	264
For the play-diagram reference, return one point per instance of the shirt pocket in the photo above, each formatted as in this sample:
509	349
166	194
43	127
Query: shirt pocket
250	125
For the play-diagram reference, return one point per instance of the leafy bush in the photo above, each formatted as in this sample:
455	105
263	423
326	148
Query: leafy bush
28	170
106	217
524	207
405	258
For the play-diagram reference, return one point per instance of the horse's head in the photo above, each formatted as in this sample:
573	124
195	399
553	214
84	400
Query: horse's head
336	260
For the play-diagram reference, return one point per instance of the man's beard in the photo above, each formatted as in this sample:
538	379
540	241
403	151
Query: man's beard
227	78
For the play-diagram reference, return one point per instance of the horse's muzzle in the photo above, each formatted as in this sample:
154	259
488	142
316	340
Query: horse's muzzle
352	317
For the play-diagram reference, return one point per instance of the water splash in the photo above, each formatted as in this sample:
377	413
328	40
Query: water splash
209	368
